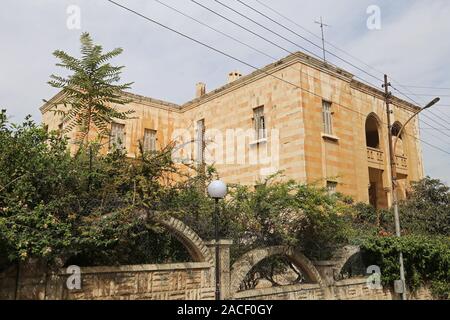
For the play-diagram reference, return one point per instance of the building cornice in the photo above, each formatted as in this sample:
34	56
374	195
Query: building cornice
287	62
358	85
268	70
50	103
132	96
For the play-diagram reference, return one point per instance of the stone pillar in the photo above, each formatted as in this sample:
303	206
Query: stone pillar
327	271
8	279
224	255
32	279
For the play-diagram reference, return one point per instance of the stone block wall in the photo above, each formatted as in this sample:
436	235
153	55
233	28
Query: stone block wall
181	281
184	281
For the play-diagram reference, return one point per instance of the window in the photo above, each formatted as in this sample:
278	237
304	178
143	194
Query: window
259	123
60	129
331	187
327	117
117	137
200	141
149	140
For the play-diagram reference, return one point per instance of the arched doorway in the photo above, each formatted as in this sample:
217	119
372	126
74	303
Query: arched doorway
401	160
399	147
372	134
376	161
307	272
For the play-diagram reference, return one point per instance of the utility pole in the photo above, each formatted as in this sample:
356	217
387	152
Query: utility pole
323	37
388	94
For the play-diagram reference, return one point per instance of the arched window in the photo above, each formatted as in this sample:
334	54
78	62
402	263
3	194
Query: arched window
372	134
396	127
399	148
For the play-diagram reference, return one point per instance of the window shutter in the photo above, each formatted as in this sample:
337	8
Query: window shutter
149	140
117	138
200	141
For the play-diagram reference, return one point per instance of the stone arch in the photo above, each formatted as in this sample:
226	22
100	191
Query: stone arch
246	262
195	246
342	257
401	148
373	131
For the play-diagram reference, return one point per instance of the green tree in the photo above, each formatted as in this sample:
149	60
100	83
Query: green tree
427	260
288	213
91	92
48	212
427	211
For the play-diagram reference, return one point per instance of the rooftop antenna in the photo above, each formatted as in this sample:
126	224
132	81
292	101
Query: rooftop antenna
323	37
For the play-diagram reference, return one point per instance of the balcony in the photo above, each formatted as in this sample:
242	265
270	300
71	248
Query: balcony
401	163
375	157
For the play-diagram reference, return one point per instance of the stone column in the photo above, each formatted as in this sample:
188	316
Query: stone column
327	271
32	278
8	279
224	255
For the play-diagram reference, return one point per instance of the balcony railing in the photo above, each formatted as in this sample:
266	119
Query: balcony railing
375	157
401	163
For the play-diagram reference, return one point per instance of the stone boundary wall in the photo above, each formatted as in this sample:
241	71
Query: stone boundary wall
350	289
180	281
191	280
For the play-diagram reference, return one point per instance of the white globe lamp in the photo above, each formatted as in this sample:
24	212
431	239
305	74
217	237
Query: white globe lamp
217	189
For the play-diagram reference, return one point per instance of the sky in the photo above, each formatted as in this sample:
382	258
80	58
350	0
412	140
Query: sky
406	39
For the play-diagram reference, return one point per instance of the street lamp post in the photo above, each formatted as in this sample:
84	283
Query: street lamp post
217	190
392	150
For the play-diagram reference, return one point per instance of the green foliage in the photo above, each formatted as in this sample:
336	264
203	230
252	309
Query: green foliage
82	210
426	260
425	223
289	213
90	93
54	206
427	211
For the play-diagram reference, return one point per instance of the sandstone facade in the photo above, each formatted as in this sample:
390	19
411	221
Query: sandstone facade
352	157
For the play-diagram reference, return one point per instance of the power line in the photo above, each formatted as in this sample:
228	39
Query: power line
245	63
259	36
405	95
242	43
276	22
288	40
247	29
437	137
425	87
317	36
215	29
430	111
437	148
428	95
432	129
273	10
304	38
340	49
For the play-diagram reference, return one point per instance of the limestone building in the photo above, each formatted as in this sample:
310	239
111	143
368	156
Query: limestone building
314	122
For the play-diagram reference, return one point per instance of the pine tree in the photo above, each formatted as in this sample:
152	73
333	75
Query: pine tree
91	92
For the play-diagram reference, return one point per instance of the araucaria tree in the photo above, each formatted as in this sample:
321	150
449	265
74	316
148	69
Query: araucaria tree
91	93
